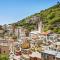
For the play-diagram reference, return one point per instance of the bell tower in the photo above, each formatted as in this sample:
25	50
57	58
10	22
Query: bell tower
40	26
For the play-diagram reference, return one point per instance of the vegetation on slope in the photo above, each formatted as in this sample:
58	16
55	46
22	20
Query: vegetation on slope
50	18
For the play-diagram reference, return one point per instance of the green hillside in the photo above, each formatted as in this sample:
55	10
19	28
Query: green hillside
50	18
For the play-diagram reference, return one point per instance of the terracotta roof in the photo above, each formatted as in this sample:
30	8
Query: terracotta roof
45	33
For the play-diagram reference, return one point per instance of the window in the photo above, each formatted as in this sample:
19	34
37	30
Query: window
4	51
0	50
54	57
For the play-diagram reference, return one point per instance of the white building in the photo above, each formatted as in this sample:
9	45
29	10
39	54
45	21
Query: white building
20	33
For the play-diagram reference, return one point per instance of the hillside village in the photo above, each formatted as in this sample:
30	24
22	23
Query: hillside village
35	44
21	43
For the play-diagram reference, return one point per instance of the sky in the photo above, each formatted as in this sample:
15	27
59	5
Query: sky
14	10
